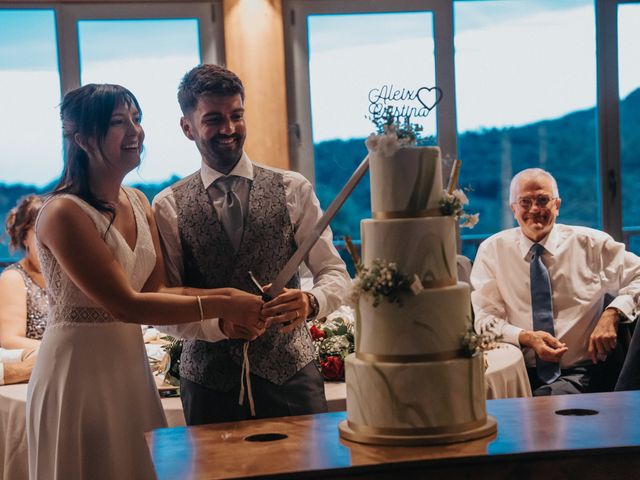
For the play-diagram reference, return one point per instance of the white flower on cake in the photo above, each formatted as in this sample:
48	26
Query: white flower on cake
388	142
381	280
453	204
460	195
470	221
392	133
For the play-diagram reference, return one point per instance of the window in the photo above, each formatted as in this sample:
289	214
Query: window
30	142
532	88
164	50
353	63
629	75
526	102
145	47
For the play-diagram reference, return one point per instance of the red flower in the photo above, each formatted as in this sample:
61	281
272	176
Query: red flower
317	333
332	368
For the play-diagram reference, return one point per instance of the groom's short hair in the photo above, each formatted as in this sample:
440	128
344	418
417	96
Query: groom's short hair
205	80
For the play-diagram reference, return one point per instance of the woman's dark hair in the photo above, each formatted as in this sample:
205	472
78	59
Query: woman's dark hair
87	111
21	219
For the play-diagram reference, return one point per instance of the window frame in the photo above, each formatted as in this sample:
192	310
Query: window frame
607	89
67	15
297	68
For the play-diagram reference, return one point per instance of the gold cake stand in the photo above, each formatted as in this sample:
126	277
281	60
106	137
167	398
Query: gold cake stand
374	436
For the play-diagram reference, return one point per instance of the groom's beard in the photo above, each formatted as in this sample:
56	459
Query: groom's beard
223	156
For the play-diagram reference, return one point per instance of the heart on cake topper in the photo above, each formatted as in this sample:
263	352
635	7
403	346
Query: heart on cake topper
429	97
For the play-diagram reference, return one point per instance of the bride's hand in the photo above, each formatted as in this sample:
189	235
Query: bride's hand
242	317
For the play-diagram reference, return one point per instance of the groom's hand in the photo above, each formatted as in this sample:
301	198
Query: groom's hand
236	331
290	308
242	318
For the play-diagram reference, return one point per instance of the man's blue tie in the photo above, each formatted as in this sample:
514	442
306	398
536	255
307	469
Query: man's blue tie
542	309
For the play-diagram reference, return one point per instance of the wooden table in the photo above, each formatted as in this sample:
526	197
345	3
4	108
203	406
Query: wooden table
533	441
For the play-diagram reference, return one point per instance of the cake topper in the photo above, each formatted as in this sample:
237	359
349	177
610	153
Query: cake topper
398	106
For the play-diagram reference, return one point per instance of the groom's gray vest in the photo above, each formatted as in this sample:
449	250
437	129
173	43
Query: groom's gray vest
211	262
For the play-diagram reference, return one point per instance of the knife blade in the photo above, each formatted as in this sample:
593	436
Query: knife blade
296	259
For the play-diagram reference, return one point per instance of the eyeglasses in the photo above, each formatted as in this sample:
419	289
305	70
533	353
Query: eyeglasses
541	201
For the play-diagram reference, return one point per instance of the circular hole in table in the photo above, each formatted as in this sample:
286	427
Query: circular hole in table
265	437
577	412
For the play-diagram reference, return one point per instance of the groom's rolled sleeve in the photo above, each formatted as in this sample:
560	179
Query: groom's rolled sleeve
330	277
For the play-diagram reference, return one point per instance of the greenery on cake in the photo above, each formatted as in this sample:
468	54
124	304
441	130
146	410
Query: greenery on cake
454	204
333	339
406	132
474	342
382	280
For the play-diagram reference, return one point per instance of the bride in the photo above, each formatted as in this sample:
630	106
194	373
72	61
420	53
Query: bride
91	395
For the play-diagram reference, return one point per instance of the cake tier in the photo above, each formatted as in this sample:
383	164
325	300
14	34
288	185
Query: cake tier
430	323
415	398
405	183
422	246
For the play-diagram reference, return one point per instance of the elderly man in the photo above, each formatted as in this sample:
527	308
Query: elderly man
16	365
542	286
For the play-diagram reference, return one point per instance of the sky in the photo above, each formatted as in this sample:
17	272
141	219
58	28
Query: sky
516	62
30	140
530	77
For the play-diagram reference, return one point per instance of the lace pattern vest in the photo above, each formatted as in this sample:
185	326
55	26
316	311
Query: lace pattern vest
211	262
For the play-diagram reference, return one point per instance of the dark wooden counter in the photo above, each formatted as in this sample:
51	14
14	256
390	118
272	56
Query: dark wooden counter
533	441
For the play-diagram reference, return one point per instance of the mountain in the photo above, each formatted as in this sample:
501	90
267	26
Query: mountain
11	194
565	146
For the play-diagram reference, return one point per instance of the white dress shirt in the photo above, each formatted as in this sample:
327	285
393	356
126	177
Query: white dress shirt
8	356
584	264
330	275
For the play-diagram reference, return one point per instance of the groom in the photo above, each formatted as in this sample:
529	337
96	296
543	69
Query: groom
230	217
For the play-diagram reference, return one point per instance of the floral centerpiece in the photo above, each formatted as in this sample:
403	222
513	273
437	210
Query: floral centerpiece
333	339
174	348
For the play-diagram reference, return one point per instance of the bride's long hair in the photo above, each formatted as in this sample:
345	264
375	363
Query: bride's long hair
87	111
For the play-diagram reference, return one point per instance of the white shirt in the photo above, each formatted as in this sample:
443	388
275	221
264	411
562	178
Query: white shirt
329	272
8	356
584	264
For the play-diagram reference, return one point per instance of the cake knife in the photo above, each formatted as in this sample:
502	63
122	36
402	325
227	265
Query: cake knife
296	259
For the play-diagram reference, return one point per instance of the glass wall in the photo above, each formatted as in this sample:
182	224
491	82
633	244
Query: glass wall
629	78
526	97
30	139
147	48
164	50
360	64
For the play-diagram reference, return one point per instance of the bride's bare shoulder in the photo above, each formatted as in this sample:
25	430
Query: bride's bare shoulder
62	213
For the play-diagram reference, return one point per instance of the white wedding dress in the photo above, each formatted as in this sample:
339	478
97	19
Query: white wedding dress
92	395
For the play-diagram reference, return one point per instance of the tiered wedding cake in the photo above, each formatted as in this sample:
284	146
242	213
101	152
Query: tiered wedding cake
409	381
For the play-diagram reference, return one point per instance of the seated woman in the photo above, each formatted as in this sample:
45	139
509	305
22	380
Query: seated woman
16	365
23	300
